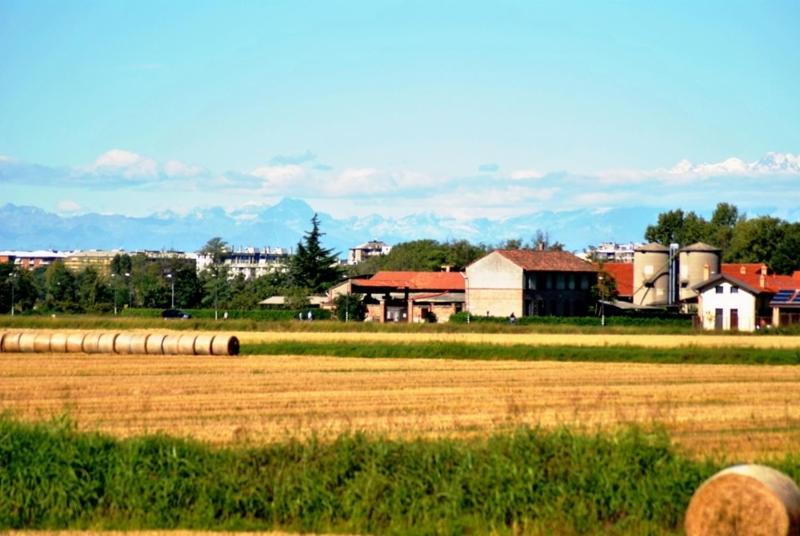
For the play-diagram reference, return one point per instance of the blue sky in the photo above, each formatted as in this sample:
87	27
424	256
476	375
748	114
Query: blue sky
470	109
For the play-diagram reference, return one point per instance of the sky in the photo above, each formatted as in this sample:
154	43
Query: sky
465	109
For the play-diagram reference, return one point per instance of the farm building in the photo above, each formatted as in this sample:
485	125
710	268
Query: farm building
530	283
745	297
411	296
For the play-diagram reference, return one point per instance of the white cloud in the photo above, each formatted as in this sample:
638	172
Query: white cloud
771	164
68	206
523	174
129	164
175	168
282	178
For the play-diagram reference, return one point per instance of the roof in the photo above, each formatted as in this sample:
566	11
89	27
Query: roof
700	246
712	281
652	246
441	297
442	281
750	274
622	272
546	261
281	300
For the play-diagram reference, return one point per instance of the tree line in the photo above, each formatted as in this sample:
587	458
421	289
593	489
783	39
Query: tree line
766	239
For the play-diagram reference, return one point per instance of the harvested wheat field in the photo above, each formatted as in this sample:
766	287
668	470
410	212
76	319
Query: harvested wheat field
743	411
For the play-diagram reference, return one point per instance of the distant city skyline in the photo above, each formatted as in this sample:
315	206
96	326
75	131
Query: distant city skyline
461	109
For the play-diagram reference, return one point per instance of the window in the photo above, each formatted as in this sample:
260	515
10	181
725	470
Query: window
571	282
734	290
584	282
560	282
718	289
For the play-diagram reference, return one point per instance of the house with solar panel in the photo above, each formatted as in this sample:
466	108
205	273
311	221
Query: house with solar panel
746	297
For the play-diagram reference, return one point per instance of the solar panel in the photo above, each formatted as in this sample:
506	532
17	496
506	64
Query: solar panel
796	298
783	296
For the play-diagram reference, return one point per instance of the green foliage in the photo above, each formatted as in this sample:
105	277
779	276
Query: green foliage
350	307
524	352
666	320
314	267
763	239
423	256
528	480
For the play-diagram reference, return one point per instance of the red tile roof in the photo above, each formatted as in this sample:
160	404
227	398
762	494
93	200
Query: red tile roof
414	280
750	274
546	261
622	272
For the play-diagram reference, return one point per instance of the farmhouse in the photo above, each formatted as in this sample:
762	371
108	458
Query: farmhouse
411	296
530	283
746	297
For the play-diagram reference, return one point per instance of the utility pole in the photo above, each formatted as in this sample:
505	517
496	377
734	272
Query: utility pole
13	279
172	284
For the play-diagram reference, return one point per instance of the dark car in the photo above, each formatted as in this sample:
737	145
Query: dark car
174	313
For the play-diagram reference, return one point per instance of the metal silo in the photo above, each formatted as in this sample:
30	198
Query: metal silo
651	275
698	262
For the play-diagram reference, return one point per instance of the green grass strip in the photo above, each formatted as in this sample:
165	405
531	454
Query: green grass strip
522	352
529	481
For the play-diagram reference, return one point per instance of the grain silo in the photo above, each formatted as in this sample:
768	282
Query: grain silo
698	263
651	275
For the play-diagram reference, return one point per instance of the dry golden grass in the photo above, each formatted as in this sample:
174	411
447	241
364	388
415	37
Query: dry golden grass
742	411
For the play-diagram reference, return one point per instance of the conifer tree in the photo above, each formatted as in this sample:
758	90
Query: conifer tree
314	267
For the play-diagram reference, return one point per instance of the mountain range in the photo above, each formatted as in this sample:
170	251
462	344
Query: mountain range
283	225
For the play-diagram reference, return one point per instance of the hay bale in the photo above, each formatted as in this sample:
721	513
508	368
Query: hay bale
27	343
91	343
138	344
225	345
202	344
75	342
106	342
170	345
41	342
58	342
745	499
11	342
122	344
154	344
2	338
186	344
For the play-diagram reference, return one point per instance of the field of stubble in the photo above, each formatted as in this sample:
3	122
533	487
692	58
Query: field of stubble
742	411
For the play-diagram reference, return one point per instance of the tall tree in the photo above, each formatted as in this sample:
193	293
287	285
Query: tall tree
314	267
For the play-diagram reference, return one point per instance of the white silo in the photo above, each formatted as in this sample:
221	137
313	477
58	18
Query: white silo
651	275
698	262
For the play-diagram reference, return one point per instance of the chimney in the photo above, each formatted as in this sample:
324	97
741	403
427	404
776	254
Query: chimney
763	279
743	269
706	270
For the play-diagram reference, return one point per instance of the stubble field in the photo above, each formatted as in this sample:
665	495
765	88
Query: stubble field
741	412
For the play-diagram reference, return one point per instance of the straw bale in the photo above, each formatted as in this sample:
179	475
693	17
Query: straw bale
106	343
153	344
138	344
202	344
745	499
186	344
41	342
225	345
11	342
170	345
2	338
91	343
58	342
122	344
75	342
27	342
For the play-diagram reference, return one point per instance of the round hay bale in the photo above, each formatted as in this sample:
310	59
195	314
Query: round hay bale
11	342
186	344
41	343
225	345
745	499
153	344
2	338
27	342
138	344
170	345
91	343
202	344
58	342
122	344
106	343
75	342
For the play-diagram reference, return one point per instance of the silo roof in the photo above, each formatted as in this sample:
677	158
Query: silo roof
700	246
653	247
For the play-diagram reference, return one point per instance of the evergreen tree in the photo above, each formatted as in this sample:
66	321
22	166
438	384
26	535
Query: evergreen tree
314	267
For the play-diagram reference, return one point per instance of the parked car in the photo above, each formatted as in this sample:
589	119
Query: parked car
174	313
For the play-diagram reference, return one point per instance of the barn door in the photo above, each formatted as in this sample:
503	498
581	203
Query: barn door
718	317
734	318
